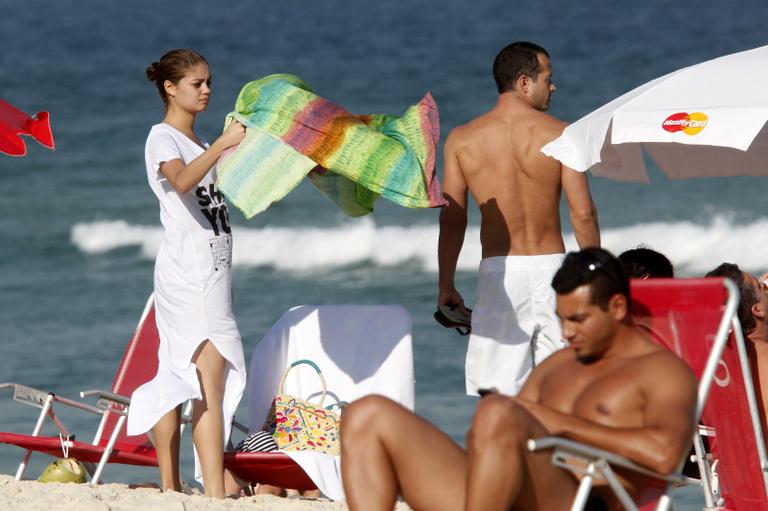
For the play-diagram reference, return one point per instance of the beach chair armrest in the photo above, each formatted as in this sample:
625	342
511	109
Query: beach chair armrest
35	397
106	400
589	453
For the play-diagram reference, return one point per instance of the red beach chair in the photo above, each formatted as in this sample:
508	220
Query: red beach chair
273	468
693	318
732	477
110	443
736	464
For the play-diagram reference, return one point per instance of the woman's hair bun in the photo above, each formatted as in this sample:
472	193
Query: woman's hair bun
152	71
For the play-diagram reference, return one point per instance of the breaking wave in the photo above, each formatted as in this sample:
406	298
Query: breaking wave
693	248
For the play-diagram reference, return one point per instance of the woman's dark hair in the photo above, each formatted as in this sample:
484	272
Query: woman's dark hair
172	67
514	60
597	267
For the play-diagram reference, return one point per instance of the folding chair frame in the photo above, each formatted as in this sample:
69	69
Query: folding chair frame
597	466
44	401
106	403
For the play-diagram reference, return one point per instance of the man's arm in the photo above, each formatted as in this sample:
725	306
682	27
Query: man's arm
581	206
453	225
667	416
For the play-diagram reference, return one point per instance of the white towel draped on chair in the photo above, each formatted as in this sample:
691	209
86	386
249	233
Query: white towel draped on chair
361	350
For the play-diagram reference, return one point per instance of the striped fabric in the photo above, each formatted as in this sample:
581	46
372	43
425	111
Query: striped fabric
292	133
260	441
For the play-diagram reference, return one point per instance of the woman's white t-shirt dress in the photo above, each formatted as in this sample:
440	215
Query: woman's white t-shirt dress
193	297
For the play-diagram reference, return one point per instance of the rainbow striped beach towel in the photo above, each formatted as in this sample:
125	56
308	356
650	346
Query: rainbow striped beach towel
292	133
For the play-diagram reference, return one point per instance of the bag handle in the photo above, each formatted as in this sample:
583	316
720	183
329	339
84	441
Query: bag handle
314	366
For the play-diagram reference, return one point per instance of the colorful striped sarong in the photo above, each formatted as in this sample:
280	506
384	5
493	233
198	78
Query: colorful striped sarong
292	133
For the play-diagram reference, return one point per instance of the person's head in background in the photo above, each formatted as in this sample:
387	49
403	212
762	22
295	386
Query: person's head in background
646	263
753	296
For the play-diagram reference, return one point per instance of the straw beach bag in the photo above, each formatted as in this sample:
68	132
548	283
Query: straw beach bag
298	425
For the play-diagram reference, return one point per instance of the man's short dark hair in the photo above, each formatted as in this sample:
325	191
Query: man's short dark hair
516	59
643	263
595	267
747	295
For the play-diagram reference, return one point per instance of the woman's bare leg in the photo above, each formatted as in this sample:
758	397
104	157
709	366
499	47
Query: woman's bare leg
207	418
386	450
166	439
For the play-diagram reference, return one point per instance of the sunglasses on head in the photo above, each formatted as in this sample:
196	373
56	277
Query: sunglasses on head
588	261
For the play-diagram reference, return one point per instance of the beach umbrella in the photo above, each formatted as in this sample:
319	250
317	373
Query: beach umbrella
708	119
14	122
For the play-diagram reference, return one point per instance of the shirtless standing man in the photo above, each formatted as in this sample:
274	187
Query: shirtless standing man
614	388
497	158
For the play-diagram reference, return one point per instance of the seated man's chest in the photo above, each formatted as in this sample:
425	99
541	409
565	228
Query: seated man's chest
608	394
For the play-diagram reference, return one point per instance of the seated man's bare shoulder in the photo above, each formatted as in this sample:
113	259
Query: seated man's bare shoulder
661	370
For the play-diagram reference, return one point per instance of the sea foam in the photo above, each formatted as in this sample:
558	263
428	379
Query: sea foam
693	248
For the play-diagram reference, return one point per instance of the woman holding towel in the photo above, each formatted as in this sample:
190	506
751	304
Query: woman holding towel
201	354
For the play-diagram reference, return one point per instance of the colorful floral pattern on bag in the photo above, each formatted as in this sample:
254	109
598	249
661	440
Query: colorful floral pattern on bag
302	426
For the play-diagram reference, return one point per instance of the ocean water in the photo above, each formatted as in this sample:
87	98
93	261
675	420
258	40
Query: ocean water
80	226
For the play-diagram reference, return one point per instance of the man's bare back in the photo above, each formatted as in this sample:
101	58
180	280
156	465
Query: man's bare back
497	158
515	185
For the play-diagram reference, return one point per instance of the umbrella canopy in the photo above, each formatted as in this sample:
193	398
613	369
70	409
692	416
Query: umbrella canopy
14	122
704	120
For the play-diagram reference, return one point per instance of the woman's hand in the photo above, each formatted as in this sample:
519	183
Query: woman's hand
185	177
232	136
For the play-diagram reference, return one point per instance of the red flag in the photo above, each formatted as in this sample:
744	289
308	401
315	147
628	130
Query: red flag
14	122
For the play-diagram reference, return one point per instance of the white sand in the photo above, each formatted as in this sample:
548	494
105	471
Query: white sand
31	495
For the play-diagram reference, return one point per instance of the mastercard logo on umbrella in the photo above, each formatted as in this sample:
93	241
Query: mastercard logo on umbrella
690	124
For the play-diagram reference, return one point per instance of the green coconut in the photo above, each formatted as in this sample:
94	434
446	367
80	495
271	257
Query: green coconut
67	470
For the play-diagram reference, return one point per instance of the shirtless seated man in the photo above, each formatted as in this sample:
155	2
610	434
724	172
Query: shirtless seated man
613	388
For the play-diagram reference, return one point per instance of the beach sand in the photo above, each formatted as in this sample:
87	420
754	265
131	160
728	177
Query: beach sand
32	495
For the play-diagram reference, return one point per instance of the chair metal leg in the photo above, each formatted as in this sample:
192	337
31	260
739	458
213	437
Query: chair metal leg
665	503
36	432
616	486
585	486
100	430
108	450
186	413
705	470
